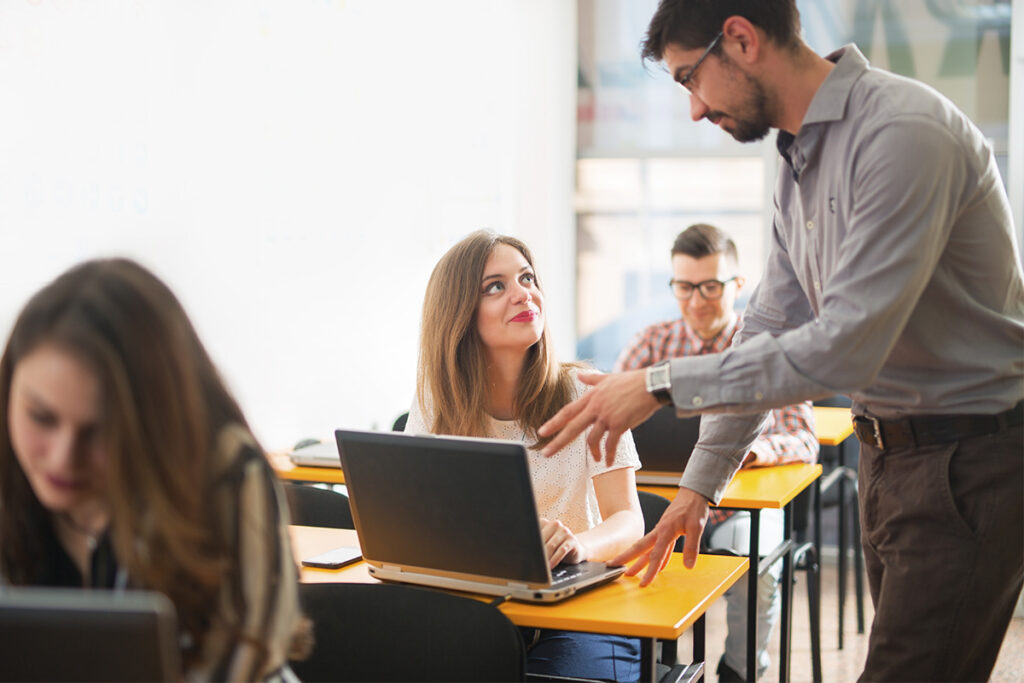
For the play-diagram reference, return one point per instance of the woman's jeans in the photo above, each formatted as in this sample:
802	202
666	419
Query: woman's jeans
582	655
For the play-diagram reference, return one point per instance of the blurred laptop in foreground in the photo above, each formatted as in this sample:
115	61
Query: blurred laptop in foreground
66	634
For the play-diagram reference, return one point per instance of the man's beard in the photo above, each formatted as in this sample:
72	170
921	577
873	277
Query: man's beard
753	121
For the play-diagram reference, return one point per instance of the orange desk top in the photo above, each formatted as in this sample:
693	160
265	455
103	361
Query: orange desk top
767	487
288	470
833	425
758	488
665	609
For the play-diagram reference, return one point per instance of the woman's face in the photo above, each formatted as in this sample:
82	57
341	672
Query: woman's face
54	414
510	315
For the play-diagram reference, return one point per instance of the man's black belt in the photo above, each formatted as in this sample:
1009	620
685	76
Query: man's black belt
928	430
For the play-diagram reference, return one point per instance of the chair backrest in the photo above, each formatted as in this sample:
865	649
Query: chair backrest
399	425
837	401
312	506
653	507
391	632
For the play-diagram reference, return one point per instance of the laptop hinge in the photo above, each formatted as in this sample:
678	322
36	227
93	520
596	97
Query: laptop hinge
391	568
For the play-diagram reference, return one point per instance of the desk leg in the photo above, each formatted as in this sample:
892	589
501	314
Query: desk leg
787	596
752	575
858	568
816	600
648	659
817	519
699	641
842	541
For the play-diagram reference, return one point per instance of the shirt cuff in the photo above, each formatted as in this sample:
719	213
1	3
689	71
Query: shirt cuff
763	453
696	382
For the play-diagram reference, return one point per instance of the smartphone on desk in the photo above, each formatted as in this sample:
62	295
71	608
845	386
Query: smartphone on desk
333	559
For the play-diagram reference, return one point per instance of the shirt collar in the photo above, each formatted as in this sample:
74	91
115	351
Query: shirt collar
829	102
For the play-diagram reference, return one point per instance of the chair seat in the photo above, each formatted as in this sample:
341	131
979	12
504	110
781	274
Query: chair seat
393	632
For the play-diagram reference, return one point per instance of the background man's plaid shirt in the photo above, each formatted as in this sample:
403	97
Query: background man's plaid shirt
788	435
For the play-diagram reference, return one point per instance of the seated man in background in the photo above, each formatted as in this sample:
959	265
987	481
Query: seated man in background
705	281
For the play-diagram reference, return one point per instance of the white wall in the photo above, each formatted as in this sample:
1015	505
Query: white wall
292	168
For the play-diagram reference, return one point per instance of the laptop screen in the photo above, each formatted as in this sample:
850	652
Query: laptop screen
664	442
69	634
442	503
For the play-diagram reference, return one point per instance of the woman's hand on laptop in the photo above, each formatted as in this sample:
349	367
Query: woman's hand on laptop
562	544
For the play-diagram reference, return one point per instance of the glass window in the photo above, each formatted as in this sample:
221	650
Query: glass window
646	171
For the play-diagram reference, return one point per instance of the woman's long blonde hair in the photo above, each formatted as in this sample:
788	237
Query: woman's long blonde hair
452	381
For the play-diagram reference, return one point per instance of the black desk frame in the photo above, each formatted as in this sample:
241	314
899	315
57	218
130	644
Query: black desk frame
759	566
843	475
677	673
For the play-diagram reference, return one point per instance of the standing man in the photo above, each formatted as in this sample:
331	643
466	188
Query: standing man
893	277
705	281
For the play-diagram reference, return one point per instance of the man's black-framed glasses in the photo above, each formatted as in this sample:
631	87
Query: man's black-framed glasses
684	82
709	289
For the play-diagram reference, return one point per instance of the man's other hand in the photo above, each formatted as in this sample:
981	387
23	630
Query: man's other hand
686	516
616	402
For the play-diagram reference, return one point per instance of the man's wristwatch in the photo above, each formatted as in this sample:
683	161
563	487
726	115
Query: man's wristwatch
659	382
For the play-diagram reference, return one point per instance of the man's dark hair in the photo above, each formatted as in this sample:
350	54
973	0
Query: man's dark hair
693	24
701	240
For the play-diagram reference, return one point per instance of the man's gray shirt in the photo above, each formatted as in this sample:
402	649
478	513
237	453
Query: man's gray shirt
892	277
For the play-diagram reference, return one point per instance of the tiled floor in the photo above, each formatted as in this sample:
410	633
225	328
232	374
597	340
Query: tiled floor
838	666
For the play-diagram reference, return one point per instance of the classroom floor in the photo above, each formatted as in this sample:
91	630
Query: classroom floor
838	666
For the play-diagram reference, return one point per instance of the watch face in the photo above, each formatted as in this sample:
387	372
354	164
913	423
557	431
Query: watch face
659	382
659	377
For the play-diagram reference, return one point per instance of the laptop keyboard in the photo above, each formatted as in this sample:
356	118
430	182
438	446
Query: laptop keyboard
565	572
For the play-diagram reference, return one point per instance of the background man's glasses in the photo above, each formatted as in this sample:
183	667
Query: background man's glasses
709	289
684	82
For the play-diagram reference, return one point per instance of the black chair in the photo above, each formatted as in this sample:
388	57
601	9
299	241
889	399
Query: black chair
653	507
839	490
312	506
392	632
399	425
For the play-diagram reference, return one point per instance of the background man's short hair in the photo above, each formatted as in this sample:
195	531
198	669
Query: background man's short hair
701	240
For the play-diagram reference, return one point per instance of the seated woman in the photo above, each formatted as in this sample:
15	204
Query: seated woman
487	369
126	463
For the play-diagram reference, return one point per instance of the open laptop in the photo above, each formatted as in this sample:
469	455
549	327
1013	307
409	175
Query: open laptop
664	443
70	634
454	513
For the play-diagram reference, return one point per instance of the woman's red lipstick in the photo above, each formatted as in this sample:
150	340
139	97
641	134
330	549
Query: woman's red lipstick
525	317
64	483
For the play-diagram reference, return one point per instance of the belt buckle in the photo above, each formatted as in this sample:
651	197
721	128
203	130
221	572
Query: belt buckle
877	426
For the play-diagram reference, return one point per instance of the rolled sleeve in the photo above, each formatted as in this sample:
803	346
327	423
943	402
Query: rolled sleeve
789	437
723	444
